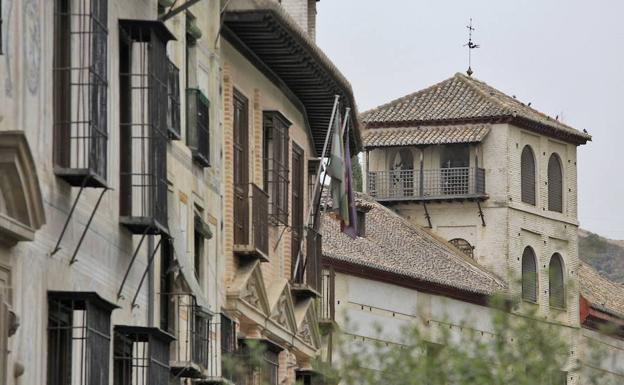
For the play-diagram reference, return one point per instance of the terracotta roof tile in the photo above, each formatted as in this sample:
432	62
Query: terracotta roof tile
394	245
464	99
386	137
600	291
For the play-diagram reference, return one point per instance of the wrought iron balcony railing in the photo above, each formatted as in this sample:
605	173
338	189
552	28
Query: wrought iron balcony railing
251	221
432	184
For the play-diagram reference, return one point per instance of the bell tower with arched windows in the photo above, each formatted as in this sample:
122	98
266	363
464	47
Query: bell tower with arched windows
491	175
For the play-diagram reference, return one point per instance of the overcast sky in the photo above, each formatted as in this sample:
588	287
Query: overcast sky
566	57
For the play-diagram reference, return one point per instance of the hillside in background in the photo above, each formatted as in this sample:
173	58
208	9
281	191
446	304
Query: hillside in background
605	255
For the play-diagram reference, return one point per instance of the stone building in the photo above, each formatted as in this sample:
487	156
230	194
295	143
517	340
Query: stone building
135	247
497	180
278	90
397	274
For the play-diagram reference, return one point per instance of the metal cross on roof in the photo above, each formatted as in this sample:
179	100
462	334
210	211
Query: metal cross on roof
470	46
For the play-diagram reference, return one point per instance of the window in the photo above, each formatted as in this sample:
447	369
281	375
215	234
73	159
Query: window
141	356
192	332
555	184
527	175
556	284
80	66
198	241
275	150
78	338
173	107
464	246
361	223
166	284
529	275
241	167
143	99
270	368
297	220
228	348
198	126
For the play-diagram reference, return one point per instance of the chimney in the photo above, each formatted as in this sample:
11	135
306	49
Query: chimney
304	13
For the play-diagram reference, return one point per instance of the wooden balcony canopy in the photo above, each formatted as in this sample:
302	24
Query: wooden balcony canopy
269	38
424	135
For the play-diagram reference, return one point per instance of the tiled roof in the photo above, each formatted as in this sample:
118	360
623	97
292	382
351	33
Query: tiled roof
463	99
394	245
384	137
600	291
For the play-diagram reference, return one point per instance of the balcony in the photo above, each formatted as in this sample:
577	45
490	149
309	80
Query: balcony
251	222
441	184
307	277
192	347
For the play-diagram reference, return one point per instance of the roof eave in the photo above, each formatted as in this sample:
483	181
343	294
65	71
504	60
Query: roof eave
284	48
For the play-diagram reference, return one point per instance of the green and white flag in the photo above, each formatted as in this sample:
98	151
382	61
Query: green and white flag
336	170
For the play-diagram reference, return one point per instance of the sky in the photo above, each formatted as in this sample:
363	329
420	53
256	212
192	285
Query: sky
566	57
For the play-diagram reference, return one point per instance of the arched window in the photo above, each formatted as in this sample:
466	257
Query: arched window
527	175
529	275
463	245
556	284
555	184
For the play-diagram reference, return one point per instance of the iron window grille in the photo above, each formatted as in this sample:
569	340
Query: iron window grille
228	348
80	64
275	152
198	125
192	331
173	107
78	338
141	356
143	125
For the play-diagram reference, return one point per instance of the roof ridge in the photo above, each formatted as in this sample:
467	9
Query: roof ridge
402	98
469	81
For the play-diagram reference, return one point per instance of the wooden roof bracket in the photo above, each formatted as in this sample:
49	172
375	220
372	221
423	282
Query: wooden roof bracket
481	213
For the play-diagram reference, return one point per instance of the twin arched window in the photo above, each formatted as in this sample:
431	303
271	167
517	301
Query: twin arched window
556	284
556	281
555	184
555	180
527	175
529	275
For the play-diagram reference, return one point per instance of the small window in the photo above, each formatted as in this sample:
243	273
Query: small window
463	245
527	175
78	338
166	284
276	168
173	106
228	348
198	241
141	356
529	275
556	283
555	184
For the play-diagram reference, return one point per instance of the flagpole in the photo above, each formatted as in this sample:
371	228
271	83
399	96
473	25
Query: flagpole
318	176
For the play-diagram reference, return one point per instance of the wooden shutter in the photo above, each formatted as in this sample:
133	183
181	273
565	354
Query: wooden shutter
527	175
555	184
241	175
529	275
556	283
297	202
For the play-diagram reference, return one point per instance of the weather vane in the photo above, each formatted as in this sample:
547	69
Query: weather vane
470	46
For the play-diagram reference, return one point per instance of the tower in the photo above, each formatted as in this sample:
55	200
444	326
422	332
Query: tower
304	13
491	175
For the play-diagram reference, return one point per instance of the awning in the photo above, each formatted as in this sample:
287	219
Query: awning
269	38
425	135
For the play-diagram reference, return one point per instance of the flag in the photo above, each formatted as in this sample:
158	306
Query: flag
336	170
349	226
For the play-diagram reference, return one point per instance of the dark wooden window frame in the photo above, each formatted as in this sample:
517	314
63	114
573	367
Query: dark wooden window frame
529	277
198	126
297	191
528	175
173	107
166	284
275	147
555	183
240	163
556	282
